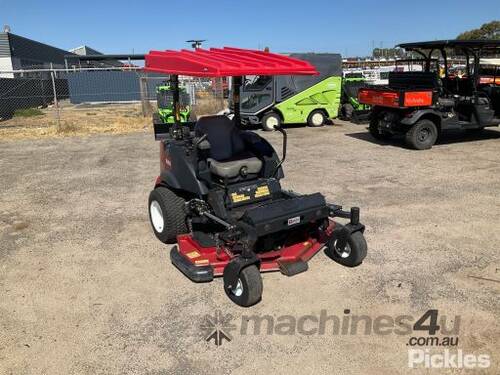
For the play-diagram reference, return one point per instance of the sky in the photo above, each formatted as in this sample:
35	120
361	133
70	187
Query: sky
351	28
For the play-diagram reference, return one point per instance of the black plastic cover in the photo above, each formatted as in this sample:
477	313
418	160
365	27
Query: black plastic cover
286	213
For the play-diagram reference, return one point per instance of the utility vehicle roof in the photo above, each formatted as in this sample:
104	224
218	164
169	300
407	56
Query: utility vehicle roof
483	44
223	62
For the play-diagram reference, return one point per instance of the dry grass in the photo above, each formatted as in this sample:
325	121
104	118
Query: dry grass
93	119
77	120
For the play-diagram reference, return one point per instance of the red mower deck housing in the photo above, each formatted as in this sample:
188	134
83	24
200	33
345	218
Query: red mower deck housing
218	259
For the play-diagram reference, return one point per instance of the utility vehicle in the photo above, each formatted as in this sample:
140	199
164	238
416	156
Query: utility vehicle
219	196
421	105
164	99
270	101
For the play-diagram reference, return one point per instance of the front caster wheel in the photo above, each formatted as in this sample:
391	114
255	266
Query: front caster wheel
248	288
352	254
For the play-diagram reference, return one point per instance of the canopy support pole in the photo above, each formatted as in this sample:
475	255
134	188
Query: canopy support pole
237	82
174	85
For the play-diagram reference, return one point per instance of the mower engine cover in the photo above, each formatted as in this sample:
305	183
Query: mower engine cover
286	213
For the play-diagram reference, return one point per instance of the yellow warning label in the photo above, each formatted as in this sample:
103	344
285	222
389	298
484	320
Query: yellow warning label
262	191
201	261
235	197
193	254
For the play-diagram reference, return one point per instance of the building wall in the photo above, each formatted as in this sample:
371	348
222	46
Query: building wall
6	64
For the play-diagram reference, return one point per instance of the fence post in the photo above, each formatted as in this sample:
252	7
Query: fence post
56	104
146	106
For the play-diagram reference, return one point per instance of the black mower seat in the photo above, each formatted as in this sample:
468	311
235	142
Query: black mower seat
228	155
234	168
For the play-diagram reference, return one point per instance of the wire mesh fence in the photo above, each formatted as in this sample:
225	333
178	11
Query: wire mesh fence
83	100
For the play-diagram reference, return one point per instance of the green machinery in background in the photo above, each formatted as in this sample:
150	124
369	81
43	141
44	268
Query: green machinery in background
165	113
270	101
351	109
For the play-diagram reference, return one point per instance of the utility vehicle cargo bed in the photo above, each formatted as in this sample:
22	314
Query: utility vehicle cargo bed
396	98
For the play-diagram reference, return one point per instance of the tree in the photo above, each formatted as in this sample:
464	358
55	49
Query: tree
388	53
490	30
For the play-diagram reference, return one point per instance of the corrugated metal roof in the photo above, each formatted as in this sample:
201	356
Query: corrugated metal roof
4	45
32	50
85	50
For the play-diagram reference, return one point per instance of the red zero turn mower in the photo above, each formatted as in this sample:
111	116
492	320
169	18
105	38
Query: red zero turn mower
219	195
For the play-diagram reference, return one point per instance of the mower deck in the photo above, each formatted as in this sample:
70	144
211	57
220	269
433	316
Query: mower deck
202	264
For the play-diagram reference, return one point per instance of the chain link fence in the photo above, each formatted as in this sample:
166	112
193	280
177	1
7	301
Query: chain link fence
93	99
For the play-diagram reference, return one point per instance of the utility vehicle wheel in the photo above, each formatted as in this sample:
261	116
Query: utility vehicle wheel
422	135
316	118
347	110
248	289
166	213
270	121
352	254
376	132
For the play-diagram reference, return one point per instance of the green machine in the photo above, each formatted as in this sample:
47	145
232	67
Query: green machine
165	99
269	101
351	109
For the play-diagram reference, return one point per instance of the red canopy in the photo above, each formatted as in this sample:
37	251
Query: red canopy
222	62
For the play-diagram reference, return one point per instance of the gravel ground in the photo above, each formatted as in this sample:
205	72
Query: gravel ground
87	289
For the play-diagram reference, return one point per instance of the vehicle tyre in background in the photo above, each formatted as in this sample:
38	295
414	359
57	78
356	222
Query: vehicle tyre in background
270	121
422	135
316	118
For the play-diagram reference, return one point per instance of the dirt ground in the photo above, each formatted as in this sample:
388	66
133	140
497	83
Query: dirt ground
87	289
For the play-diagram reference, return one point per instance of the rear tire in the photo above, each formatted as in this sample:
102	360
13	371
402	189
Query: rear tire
347	111
248	290
167	214
422	135
376	132
316	118
270	121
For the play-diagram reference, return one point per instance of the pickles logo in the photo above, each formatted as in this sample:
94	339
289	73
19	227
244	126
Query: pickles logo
218	327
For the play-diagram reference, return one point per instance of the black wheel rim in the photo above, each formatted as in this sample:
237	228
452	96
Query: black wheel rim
424	134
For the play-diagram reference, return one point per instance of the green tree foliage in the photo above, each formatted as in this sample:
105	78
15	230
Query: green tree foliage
490	30
388	53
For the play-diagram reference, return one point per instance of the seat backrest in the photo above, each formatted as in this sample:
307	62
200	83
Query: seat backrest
224	137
